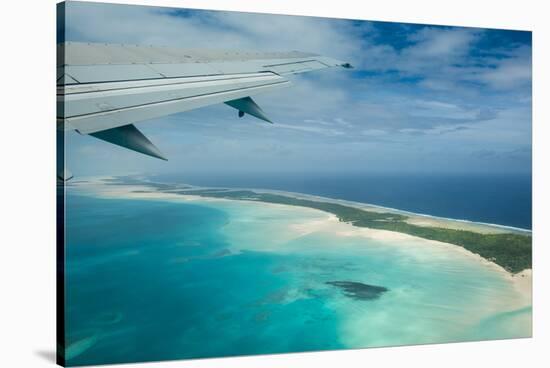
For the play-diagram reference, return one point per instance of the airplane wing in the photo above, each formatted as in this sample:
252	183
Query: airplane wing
103	89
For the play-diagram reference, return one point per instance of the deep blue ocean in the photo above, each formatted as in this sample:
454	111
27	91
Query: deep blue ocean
504	199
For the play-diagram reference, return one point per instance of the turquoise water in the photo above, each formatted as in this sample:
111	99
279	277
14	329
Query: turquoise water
159	279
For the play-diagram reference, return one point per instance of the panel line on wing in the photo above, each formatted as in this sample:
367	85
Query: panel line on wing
294	63
88	87
103	112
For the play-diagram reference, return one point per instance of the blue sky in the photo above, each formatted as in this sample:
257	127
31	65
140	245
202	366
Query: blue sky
420	99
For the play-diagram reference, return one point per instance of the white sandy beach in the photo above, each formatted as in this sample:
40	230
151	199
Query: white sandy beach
522	281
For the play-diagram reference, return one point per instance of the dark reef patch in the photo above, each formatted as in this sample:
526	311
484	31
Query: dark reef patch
358	290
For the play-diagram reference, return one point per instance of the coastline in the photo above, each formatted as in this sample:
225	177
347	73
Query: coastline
420	219
414	218
521	281
508	247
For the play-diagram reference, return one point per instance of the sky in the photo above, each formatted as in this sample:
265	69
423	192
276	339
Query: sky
420	99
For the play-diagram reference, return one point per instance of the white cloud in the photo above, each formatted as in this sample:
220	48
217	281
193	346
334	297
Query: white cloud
374	132
509	74
310	129
441	43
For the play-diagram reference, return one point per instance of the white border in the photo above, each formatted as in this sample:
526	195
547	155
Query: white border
27	233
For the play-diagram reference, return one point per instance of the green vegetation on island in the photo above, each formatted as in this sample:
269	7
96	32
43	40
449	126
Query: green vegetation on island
509	250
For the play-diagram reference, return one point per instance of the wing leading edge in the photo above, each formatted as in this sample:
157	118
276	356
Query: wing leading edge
103	89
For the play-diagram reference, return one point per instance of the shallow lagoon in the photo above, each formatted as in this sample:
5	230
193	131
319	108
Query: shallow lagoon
163	279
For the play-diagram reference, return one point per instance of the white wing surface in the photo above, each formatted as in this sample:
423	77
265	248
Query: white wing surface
103	89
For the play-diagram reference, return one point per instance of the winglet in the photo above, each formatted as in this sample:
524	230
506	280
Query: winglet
248	106
128	136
